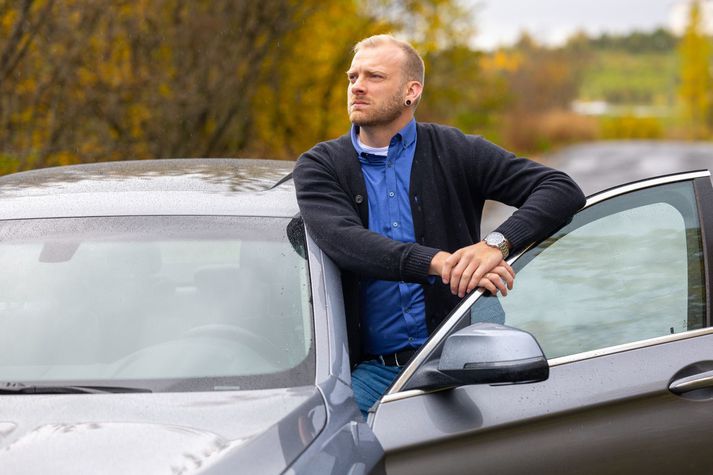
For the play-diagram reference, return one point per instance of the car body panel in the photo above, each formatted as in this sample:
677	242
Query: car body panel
150	187
148	433
612	414
347	445
330	323
704	194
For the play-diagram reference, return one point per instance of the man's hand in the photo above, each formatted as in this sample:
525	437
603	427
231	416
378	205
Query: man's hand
437	263
474	266
501	279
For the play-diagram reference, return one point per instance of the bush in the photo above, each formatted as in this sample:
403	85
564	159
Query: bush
8	164
630	127
540	132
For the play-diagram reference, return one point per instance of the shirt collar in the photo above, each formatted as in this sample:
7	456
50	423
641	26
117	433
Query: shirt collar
407	135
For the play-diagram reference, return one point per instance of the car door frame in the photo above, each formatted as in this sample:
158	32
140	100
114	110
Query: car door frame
396	443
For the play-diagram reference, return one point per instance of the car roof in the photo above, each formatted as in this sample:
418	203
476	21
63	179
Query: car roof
211	186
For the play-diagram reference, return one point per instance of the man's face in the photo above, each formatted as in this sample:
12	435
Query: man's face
375	95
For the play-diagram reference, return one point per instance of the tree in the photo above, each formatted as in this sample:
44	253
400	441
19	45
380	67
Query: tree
90	80
696	88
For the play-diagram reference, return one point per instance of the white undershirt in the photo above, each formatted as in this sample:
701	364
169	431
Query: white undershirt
382	151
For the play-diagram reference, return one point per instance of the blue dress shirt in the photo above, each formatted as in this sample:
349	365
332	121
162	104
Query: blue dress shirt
394	313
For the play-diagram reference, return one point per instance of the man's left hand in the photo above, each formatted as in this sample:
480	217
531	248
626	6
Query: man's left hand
478	265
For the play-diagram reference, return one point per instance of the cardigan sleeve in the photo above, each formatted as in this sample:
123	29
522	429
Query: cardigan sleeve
546	198
333	222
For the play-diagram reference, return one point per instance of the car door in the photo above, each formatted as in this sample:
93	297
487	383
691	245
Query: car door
619	300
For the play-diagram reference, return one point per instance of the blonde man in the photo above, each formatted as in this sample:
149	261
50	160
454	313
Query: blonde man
397	205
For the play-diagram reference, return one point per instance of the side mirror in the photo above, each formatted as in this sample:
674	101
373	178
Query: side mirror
488	353
484	353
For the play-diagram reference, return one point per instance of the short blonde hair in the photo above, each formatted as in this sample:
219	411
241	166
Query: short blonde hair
414	69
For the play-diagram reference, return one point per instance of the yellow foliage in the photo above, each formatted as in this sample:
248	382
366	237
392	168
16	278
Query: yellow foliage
63	158
8	165
696	88
501	60
538	131
8	19
631	127
26	86
139	114
87	77
165	90
105	79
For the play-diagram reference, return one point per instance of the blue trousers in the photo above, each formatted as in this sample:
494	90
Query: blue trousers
370	380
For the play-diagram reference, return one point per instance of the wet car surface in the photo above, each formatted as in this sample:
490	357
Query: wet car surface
174	316
157	318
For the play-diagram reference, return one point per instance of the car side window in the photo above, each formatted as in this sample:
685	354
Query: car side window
625	269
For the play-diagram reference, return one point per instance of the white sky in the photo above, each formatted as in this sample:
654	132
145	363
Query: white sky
552	21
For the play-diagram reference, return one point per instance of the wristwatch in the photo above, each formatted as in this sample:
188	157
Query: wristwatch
497	240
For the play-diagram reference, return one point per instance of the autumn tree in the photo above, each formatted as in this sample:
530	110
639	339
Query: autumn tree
89	80
303	97
540	84
20	24
696	87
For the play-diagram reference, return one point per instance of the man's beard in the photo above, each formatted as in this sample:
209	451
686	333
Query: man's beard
387	113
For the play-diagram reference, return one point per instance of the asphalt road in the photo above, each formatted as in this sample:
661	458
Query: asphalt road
600	165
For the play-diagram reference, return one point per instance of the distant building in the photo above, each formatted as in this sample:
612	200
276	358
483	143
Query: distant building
603	108
590	107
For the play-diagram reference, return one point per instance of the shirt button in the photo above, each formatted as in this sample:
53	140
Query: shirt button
410	338
391	194
395	224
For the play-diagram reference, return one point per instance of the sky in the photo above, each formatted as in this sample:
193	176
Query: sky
552	21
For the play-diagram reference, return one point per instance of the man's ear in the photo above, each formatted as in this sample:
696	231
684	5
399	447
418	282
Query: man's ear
413	91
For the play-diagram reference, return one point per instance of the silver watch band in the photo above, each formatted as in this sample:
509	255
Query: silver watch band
498	241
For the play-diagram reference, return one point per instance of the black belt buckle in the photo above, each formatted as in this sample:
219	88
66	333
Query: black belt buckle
399	359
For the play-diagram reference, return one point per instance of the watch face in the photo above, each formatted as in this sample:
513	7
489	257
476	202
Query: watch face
497	240
494	239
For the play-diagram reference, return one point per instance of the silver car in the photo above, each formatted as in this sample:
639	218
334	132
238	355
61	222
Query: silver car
174	316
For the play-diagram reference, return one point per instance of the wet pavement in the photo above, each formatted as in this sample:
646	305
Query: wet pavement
599	165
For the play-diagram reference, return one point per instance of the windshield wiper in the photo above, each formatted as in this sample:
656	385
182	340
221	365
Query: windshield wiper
19	388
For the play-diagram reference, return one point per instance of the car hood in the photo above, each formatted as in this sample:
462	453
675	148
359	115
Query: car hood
253	431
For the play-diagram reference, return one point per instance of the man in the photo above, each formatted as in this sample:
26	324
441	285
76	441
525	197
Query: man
397	204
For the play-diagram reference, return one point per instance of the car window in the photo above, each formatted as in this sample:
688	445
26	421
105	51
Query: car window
626	269
174	302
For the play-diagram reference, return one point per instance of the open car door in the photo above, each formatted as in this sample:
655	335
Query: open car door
619	300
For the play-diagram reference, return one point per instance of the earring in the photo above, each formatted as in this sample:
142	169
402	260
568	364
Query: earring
408	102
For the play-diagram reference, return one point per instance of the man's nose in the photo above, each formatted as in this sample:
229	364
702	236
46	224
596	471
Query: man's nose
357	87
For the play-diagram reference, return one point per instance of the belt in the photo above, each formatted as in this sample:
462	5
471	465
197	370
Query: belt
399	359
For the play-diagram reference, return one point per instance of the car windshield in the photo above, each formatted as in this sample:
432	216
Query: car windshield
162	302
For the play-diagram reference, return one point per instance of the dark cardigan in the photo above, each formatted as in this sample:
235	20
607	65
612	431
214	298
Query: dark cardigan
451	177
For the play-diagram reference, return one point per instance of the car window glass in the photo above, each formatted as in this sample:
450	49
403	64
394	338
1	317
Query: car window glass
223	300
626	269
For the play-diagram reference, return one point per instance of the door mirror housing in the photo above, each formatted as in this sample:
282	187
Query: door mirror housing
485	353
488	353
